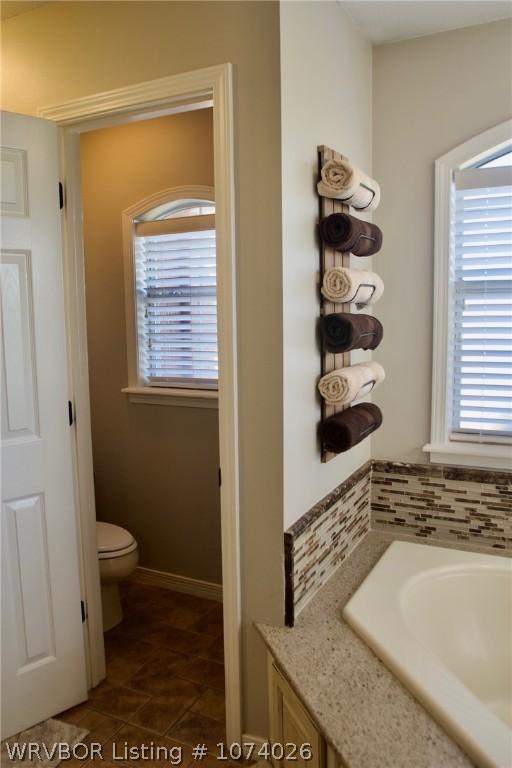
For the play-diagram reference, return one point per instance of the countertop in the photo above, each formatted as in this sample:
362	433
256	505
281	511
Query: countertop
359	706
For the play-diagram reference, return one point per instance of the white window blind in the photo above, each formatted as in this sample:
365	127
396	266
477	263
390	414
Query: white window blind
176	286
481	305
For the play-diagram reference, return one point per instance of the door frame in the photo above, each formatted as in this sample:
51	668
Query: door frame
167	95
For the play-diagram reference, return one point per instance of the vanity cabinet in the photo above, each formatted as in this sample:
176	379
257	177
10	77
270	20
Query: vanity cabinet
291	726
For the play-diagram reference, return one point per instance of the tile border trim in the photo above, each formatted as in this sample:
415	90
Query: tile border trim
289	592
447	472
308	518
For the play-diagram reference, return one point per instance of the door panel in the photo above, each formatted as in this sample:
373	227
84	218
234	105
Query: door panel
14	182
19	409
27	566
43	665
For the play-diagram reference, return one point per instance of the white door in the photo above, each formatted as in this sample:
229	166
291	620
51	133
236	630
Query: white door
43	665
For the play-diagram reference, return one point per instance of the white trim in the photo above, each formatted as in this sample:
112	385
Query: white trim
128	219
182	192
259	743
476	149
179	398
467	437
177	583
478	178
74	288
465	155
471	454
162	96
182	90
170	226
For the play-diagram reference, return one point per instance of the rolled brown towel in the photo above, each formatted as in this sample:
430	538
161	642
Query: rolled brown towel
343	331
342	431
346	233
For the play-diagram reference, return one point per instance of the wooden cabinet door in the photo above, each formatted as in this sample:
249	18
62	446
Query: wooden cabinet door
290	725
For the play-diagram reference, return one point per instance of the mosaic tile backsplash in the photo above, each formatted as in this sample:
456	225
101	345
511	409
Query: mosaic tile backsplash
439	503
443	503
322	538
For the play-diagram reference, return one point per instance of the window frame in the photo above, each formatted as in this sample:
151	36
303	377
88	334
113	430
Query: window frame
442	449
137	390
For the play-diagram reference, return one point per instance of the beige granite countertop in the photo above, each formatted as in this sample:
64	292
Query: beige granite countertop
361	708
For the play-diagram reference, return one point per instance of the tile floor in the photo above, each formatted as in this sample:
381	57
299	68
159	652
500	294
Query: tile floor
165	676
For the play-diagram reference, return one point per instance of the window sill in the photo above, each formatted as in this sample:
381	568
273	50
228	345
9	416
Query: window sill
483	455
178	398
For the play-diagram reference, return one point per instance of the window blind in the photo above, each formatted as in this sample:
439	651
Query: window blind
481	305
176	287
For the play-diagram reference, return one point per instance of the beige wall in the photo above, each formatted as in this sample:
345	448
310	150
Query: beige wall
155	467
68	50
326	81
430	95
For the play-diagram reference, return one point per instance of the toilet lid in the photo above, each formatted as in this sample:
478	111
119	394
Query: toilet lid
113	538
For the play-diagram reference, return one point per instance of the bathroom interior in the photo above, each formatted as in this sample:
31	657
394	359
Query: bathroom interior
156	461
352	608
159	458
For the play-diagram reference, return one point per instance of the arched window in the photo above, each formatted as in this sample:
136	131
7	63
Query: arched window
172	315
472	364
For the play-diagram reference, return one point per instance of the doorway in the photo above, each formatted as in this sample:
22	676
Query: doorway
196	90
148	206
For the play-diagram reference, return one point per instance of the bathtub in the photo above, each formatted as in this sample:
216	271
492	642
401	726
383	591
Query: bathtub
441	619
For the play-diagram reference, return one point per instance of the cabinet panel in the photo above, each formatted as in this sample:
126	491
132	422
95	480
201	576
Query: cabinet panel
290	723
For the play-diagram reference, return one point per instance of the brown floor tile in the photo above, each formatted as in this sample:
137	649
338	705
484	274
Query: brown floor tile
211	623
96	762
212	704
197	729
75	762
74	714
181	640
198	604
117	701
164	680
139	622
212	761
133	593
135	738
161	606
120	670
214	650
147	607
165	635
119	644
205	672
101	727
183	616
162	711
157	676
103	686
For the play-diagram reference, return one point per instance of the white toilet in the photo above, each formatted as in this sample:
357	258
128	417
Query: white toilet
118	556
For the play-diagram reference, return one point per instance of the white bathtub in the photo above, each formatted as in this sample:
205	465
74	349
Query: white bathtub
441	619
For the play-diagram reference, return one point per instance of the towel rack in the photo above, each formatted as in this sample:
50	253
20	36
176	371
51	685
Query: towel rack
329	258
362	304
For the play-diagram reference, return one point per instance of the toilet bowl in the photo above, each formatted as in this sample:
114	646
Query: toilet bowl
118	557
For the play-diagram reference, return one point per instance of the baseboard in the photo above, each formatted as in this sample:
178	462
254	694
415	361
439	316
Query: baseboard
258	741
178	583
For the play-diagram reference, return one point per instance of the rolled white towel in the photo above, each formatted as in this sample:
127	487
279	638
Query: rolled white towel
345	285
340	180
351	383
